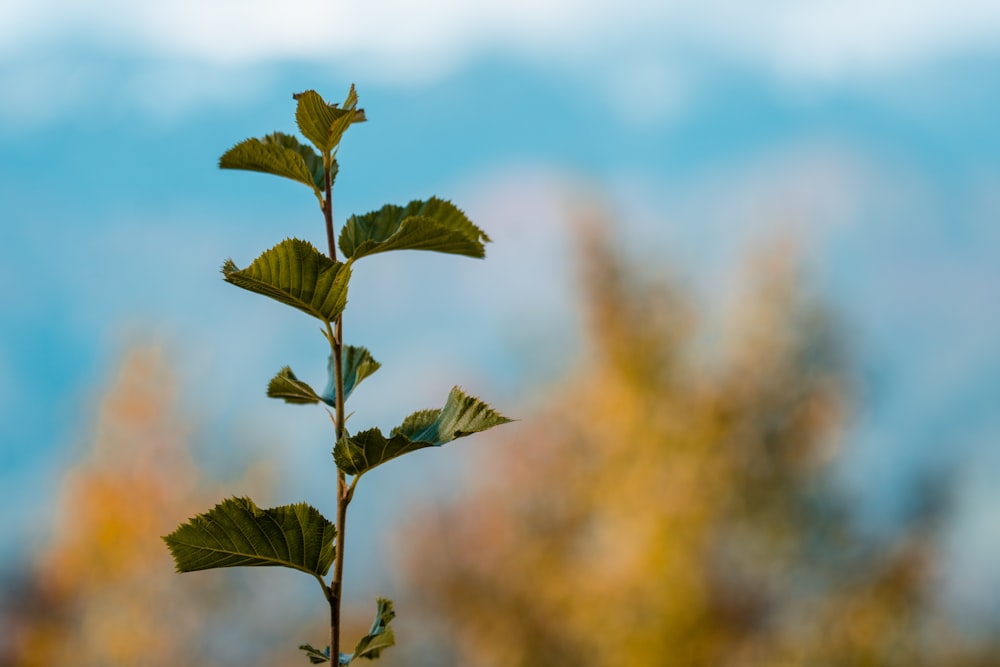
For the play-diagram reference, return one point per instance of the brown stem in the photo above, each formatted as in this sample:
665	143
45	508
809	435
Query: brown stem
343	496
336	586
328	212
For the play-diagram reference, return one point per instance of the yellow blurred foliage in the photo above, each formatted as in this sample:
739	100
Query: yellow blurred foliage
671	504
104	592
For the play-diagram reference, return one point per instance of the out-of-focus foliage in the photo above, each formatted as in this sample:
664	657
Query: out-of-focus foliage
103	593
672	504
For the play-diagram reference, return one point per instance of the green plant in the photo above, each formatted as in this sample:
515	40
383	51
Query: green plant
237	532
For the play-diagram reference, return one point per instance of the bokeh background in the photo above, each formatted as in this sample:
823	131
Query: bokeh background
742	298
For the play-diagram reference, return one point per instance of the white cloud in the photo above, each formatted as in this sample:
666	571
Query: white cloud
55	54
856	36
803	38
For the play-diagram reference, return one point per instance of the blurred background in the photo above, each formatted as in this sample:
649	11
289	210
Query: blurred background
742	299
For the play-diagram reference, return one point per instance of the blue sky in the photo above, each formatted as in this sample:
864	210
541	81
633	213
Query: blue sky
867	131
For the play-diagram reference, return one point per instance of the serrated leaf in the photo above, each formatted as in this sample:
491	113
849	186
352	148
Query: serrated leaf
334	170
279	154
358	454
312	160
297	274
324	124
286	386
435	224
380	636
358	364
462	415
237	533
316	656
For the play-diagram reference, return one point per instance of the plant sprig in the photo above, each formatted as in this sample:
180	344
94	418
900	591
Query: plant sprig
295	273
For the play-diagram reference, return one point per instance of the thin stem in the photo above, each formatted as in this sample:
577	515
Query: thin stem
336	337
336	586
328	209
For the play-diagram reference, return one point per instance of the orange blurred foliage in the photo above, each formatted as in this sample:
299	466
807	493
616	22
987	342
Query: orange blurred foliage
104	592
672	504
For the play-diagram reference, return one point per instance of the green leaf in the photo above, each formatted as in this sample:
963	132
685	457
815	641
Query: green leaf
334	170
358	364
237	533
462	415
380	636
293	390
316	656
279	154
434	224
312	161
324	124
297	274
370	646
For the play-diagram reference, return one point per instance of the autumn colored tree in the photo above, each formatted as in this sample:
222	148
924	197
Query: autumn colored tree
102	592
672	504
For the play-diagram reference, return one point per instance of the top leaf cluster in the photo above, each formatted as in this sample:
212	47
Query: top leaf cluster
323	124
434	224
